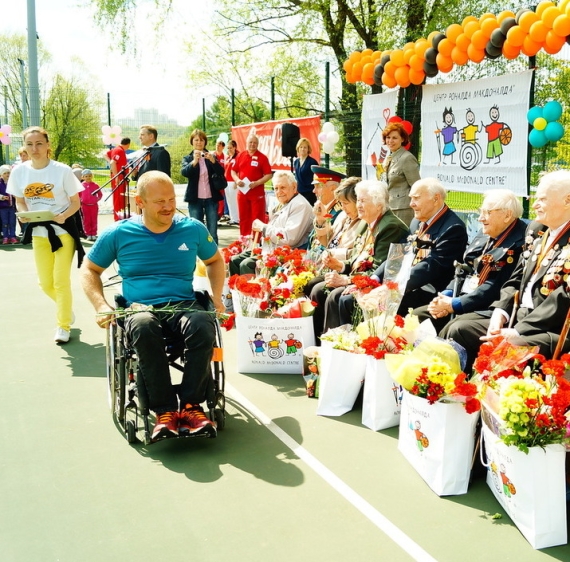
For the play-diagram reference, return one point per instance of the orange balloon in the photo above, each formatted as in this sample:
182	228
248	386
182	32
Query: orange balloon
408	54
516	36
349	78
357	70
422	45
553	43
463	42
347	65
459	57
365	59
355	56
376	55
474	54
561	26
367	52
444	64
432	35
562	5
402	76
541	6
388	81
538	31
408	45
453	32
368	69
390	68
504	15
470	28
530	47
549	15
397	57
527	19
510	51
417	77
467	20
416	63
445	47
479	39
489	25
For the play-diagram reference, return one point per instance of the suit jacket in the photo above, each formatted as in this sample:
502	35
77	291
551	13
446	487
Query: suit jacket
502	262
402	173
552	274
365	256
446	244
193	175
159	160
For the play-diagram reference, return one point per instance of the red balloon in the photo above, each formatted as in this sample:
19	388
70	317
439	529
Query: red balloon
408	146
395	119
408	127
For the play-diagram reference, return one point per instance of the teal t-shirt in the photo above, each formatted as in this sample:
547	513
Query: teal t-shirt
155	268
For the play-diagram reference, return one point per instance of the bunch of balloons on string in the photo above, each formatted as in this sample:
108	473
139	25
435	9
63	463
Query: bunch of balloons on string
490	36
328	137
546	124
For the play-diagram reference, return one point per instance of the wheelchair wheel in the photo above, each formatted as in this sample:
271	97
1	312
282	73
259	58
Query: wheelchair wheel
116	373
131	431
220	418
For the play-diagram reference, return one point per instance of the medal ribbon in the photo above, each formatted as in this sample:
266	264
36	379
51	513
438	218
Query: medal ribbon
487	267
543	250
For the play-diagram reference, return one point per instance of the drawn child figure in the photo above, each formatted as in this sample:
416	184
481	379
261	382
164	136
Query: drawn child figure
274	342
421	440
90	197
259	344
471	130
291	344
448	133
493	130
508	487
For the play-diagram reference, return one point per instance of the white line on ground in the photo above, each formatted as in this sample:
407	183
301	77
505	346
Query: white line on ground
370	512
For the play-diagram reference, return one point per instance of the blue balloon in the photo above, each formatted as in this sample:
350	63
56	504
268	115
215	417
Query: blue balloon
554	131
537	138
552	111
534	113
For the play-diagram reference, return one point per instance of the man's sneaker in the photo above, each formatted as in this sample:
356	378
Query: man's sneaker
4	240
193	421
61	336
13	241
166	426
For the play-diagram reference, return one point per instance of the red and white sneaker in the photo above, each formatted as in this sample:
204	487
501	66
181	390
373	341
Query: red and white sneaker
193	421
166	426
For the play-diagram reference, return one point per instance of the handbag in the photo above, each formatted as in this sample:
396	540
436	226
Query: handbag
218	181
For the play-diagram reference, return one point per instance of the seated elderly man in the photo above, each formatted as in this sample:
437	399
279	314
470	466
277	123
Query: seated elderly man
290	222
156	254
380	228
439	240
490	260
532	302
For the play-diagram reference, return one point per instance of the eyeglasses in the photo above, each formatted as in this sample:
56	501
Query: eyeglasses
487	212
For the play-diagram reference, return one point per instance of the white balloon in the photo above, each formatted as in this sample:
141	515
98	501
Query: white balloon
332	137
328	147
322	137
224	137
328	127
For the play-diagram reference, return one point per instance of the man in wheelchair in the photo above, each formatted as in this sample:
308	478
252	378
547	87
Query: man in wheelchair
156	256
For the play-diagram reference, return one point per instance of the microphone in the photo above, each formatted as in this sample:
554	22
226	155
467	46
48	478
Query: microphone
461	268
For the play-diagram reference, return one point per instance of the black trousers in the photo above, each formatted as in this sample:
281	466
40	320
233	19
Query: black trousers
196	328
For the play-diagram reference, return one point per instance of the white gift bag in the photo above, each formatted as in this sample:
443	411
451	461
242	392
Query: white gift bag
531	488
341	377
273	345
438	441
382	401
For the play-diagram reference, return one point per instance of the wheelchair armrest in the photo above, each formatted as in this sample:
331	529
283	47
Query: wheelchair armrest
204	299
120	301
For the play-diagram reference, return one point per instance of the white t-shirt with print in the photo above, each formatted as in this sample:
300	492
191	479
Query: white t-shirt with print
48	189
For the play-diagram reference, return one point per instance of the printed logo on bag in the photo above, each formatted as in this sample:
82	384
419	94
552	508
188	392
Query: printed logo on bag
502	481
183	247
259	346
421	439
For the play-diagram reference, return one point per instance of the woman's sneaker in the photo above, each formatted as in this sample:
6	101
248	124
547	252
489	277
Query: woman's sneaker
61	336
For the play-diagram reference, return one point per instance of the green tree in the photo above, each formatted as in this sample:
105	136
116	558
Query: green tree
73	118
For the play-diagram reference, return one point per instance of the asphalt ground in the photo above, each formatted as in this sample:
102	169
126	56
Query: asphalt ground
279	483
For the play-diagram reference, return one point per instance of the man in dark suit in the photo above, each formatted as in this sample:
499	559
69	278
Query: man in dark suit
488	262
158	157
439	240
532	302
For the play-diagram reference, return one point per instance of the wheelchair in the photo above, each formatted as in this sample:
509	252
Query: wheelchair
126	398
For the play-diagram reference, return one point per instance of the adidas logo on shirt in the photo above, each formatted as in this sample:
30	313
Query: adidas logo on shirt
183	247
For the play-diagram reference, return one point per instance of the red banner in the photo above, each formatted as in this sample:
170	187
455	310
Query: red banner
269	135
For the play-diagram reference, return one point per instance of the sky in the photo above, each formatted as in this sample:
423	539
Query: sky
153	79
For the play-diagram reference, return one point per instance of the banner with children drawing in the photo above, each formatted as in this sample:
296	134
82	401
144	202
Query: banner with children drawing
376	111
475	133
273	345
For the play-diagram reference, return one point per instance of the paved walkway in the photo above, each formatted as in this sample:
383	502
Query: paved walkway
279	483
